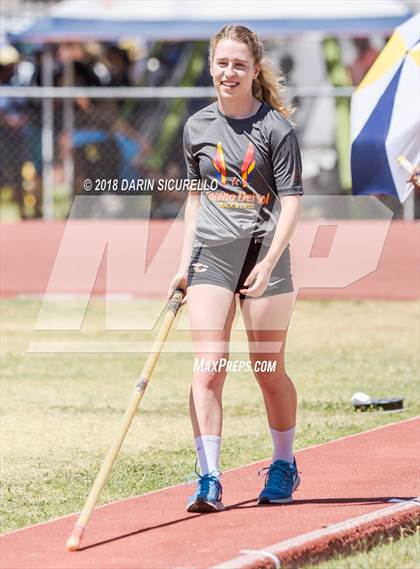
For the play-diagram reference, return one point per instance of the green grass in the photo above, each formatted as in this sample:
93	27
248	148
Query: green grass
60	410
389	554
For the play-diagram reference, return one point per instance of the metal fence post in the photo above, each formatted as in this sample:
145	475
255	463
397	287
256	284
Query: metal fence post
68	108
47	137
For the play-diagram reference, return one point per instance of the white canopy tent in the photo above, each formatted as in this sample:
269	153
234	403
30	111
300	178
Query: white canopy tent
87	20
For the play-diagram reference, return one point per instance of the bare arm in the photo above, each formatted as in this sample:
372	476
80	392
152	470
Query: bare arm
190	219
258	278
289	217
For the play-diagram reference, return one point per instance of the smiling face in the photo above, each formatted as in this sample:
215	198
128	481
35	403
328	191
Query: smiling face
233	69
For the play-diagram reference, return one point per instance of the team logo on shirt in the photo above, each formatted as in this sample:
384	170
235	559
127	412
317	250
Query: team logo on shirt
219	163
248	164
247	167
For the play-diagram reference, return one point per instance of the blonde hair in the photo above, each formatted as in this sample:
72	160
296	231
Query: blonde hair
267	86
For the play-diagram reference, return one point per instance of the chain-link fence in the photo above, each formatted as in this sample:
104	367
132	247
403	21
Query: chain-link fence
54	139
51	146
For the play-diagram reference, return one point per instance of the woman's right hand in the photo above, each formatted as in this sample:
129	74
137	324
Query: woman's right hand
178	281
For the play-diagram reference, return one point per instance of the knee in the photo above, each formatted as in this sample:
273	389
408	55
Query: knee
271	381
209	371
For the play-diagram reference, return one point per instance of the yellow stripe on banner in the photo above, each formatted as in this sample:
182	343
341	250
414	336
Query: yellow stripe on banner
415	56
389	56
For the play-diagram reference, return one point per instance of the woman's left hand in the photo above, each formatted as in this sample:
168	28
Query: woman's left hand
257	280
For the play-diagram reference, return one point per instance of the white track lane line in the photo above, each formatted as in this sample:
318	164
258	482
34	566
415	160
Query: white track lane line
283	546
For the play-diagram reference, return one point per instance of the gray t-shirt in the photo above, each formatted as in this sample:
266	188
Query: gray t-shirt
255	160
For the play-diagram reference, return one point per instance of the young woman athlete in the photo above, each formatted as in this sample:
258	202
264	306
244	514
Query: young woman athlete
236	242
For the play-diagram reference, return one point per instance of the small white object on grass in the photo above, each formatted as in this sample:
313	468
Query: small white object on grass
360	399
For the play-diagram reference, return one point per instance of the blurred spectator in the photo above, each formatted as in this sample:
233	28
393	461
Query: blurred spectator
168	204
103	144
415	180
366	55
118	64
134	149
161	66
95	151
13	118
36	78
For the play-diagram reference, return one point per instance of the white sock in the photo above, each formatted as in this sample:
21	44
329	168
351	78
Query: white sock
208	453
283	444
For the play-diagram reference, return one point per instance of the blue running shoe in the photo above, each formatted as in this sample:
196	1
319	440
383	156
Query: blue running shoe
208	496
281	481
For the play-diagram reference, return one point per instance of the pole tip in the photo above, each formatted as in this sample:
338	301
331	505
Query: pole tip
73	542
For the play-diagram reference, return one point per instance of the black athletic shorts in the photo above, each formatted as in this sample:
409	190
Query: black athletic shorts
229	265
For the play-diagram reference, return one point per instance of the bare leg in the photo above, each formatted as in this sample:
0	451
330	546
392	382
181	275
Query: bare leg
263	318
211	312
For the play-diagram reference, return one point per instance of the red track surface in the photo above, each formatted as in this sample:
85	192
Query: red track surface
328	257
342	479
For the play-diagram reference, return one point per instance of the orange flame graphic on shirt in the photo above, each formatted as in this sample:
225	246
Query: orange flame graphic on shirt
219	163
247	165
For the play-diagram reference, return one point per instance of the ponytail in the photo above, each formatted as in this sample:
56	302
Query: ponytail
268	87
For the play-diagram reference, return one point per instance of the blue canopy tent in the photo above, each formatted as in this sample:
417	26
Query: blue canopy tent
109	20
